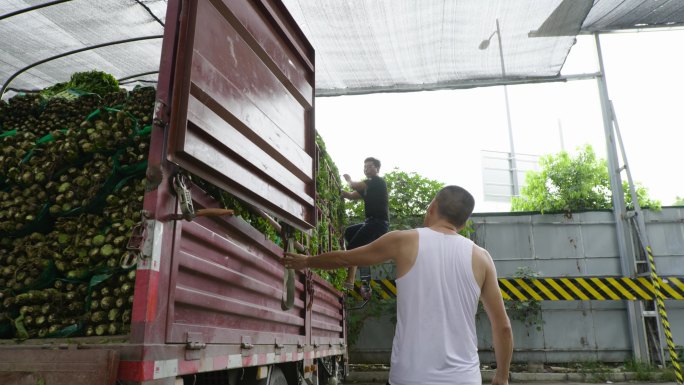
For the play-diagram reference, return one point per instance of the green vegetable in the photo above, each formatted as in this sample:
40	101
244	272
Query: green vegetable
101	329
96	82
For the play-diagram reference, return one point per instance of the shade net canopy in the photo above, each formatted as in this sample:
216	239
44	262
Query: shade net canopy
361	46
40	34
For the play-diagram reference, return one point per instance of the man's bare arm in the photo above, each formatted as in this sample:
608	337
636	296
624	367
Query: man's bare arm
357	186
390	246
501	326
351	195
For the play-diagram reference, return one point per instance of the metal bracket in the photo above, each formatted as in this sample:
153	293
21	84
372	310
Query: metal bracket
160	110
187	208
246	344
310	289
287	299
195	343
134	246
278	345
181	188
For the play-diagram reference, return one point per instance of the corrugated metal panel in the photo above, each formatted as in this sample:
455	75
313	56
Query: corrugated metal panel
226	284
578	246
242	114
612	15
327	323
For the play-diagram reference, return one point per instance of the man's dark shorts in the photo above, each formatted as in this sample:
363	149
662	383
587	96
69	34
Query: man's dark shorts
364	233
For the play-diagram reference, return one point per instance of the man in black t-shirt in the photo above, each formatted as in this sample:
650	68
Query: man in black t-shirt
373	191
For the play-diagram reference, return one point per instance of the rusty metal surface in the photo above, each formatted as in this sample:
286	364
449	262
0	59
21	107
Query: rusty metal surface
242	117
226	285
327	313
149	307
58	367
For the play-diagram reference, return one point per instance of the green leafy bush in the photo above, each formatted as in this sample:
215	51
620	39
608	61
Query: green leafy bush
570	184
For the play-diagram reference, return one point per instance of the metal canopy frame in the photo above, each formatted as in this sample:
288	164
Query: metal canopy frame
73	52
6	84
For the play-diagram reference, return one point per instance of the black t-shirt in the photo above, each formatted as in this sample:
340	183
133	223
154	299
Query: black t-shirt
375	199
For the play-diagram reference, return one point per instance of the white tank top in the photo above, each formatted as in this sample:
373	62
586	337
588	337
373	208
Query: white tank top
435	341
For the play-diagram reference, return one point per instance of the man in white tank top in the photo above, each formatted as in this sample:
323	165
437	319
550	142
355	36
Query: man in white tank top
440	278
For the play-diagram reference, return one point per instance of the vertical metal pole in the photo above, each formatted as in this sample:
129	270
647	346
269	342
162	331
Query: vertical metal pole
627	263
513	165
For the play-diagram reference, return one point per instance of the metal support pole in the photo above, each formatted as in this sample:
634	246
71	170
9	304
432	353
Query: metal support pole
513	165
627	262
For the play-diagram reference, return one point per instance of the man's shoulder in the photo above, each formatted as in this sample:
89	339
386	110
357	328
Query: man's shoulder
380	180
402	234
375	181
480	253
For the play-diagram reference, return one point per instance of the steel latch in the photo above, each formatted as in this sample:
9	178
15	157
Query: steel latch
246	343
194	344
187	208
134	246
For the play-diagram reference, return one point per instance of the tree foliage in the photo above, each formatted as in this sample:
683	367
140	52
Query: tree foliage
568	184
679	201
409	195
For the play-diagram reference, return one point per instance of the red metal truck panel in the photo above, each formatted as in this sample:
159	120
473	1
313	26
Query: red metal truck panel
327	314
227	285
242	114
299	74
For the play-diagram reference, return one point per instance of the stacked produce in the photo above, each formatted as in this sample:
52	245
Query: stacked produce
110	305
48	312
21	113
72	164
138	102
76	187
15	147
20	207
61	113
24	260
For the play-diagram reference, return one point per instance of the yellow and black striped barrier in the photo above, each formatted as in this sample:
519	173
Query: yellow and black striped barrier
653	288
660	290
566	289
589	288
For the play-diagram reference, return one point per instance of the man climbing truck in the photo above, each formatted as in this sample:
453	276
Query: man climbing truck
373	191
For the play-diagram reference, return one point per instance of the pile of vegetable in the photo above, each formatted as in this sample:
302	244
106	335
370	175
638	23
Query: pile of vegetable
72	163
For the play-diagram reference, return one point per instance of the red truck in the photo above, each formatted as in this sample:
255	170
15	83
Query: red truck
235	106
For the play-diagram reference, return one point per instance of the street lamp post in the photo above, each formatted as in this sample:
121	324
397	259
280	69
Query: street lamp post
514	169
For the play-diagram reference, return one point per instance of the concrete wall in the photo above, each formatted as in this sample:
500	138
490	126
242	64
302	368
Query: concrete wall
584	244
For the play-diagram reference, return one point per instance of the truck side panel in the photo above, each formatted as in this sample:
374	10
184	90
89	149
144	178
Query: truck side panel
327	314
227	285
242	114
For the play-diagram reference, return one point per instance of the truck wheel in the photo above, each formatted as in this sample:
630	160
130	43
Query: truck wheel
277	377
